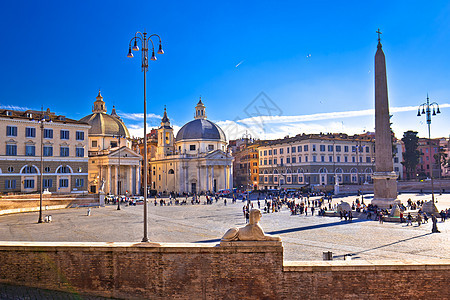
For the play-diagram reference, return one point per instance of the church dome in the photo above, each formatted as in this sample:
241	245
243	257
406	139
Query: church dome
200	129
102	123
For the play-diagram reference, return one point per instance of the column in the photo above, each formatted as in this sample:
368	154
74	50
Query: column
199	179
99	179
130	180
115	183
212	178
108	179
208	186
138	180
186	181
230	177
224	177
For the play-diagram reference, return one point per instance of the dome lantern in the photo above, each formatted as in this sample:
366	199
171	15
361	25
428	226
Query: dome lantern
200	112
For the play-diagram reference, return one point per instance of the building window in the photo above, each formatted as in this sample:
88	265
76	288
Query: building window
313	147
338	148
299	159
281	150
79	182
63	183
64	151
274	151
64	169
28	184
275	179
113	144
368	149
192	147
305	148
288	160
368	159
360	159
48	133
330	158
338	159
265	162
47	183
30	150
322	148
299	148
10	184
47	169
330	148
210	147
265	152
353	159
29	170
270	152
11	131
293	159
345	148
30	132
79	152
281	161
293	149
64	134
322	158
94	144
354	148
314	158
270	162
345	158
306	158
10	169
11	150
287	149
48	151
80	136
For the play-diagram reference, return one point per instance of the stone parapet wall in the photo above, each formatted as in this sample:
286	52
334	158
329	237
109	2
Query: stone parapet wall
208	271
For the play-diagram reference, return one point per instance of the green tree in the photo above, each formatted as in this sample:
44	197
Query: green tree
411	155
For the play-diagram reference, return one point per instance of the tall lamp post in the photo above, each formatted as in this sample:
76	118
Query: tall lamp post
144	40
41	179
426	110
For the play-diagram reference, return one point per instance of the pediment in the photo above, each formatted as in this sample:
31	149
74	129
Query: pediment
125	152
218	154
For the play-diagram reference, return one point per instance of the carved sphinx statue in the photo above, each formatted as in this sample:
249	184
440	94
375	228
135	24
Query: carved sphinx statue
250	232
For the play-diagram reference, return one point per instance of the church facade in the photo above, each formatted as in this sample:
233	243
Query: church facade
194	161
114	168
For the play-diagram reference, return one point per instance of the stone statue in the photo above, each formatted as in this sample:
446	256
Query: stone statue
434	229
251	232
102	187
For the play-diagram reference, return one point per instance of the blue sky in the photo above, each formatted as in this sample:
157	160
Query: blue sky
310	63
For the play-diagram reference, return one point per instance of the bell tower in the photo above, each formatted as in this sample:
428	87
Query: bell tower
200	112
165	137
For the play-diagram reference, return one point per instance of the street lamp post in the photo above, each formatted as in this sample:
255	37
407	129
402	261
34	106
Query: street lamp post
41	179
142	37
426	109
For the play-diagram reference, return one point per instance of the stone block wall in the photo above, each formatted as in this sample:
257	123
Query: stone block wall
207	271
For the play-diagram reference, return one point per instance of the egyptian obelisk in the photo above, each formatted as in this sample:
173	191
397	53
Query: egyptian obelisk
384	179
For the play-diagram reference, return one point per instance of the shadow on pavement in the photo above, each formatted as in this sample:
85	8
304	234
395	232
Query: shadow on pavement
310	227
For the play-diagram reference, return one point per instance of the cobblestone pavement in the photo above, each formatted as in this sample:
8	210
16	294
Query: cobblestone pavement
11	292
304	237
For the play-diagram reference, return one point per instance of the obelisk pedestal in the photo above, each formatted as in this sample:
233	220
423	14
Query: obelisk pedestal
384	179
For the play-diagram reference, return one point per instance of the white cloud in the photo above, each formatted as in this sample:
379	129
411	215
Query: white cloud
138	116
13	107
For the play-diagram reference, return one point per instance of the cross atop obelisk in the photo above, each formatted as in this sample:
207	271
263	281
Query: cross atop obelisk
379	35
384	179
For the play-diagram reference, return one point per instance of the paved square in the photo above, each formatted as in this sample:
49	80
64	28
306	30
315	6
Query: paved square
304	237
